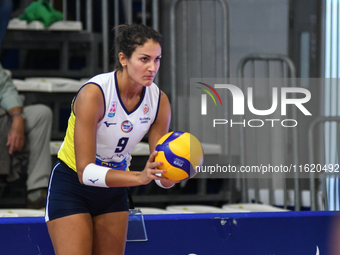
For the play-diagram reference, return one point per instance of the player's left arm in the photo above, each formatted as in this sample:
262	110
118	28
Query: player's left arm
160	127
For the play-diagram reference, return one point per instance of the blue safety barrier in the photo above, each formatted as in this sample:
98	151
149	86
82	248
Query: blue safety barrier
267	233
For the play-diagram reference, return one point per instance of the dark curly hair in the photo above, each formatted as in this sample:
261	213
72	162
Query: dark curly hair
131	36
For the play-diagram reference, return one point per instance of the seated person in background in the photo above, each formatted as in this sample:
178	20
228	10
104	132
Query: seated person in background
29	130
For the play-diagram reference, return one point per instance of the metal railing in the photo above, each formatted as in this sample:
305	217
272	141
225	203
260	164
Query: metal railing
111	8
182	33
284	69
326	190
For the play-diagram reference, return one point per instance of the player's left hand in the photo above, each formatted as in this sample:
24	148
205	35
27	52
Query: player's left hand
168	183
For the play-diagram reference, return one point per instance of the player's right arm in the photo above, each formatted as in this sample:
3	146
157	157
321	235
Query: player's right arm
89	110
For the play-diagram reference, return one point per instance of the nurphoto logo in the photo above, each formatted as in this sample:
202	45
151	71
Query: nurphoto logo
295	96
204	97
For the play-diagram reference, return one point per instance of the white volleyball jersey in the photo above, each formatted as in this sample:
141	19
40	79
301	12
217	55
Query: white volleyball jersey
120	130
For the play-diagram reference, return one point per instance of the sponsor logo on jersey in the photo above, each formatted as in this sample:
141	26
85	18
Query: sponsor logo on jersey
112	111
126	126
109	124
144	120
146	109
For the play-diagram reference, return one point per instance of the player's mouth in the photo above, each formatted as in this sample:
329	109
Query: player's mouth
149	77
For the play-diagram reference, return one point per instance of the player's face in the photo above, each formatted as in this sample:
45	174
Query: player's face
144	62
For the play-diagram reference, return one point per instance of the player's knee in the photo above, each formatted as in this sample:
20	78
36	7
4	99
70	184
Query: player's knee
44	113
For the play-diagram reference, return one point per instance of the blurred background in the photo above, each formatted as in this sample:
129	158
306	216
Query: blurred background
296	41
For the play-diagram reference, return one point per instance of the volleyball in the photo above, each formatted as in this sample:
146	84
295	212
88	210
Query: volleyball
180	152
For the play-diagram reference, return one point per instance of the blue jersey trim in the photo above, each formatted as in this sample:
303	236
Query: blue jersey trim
83	87
114	165
159	102
121	102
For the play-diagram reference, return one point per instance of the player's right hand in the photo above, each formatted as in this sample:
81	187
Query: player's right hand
151	171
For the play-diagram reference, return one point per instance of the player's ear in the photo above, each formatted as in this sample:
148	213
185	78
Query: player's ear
122	59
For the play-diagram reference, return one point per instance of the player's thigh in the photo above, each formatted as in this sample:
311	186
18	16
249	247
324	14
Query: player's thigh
72	234
109	233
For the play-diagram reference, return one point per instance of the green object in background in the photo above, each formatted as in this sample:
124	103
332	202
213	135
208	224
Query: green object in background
43	12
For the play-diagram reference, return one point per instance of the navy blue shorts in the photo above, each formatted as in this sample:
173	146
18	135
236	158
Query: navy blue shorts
67	196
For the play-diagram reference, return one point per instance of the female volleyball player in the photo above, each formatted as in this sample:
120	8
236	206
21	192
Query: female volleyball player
87	204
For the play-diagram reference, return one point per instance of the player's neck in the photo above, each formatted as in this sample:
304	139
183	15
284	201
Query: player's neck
128	89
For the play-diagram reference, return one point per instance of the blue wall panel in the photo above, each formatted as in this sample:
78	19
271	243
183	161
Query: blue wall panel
184	234
281	233
202	234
